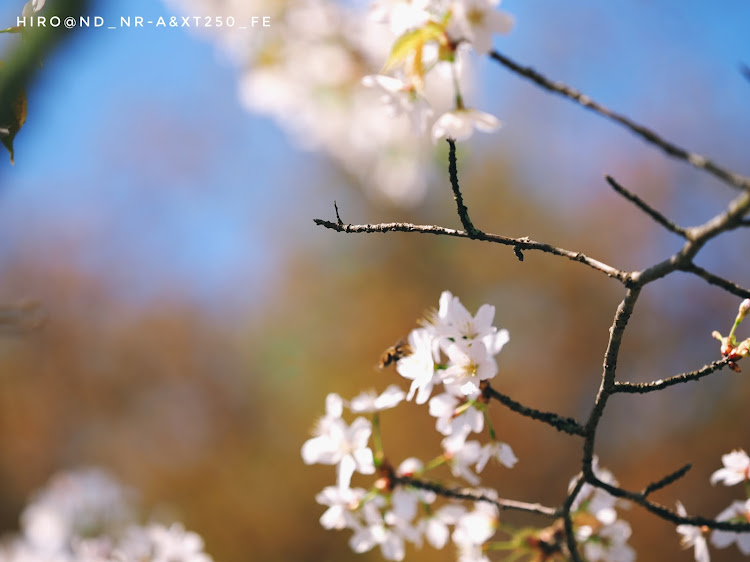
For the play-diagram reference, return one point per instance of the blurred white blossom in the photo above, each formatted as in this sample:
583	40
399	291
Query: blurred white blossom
87	516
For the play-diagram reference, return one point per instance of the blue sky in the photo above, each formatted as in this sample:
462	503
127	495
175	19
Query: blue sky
136	149
137	155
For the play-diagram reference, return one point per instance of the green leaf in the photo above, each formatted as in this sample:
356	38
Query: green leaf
411	41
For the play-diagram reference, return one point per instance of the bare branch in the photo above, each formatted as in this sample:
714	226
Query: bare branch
644	387
570	535
472	495
566	425
729	286
517	243
646	208
694	159
666	481
463	212
666	513
697	237
622	316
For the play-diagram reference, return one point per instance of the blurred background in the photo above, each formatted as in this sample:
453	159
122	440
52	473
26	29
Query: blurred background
196	318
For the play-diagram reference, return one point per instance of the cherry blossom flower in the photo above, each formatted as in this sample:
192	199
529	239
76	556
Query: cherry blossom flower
376	532
469	365
476	527
462	458
32	6
342	503
85	516
454	321
419	366
459	124
404	502
692	536
736	468
610	544
598	502
476	21
369	402
75	503
344	446
409	467
450	421
175	544
502	452
401	15
402	98
435	527
721	539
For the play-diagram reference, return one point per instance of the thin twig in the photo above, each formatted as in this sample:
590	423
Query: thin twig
463	212
698	236
566	425
694	159
729	286
520	243
646	208
620	322
644	387
666	513
472	495
570	535
666	481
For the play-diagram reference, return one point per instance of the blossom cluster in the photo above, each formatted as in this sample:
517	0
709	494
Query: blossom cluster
318	71
448	362
730	348
736	470
455	350
429	36
602	534
87	516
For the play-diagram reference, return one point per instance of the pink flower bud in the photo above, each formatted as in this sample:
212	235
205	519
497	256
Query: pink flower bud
744	308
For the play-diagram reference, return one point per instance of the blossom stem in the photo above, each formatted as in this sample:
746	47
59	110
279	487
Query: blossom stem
490	429
459	97
377	440
737	322
434	463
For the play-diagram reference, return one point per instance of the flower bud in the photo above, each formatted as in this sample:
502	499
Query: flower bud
744	309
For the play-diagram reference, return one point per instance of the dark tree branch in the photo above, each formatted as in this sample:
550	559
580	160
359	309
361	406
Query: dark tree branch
517	243
695	238
665	513
646	208
570	535
644	387
666	481
566	425
729	286
472	495
463	212
622	316
694	159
